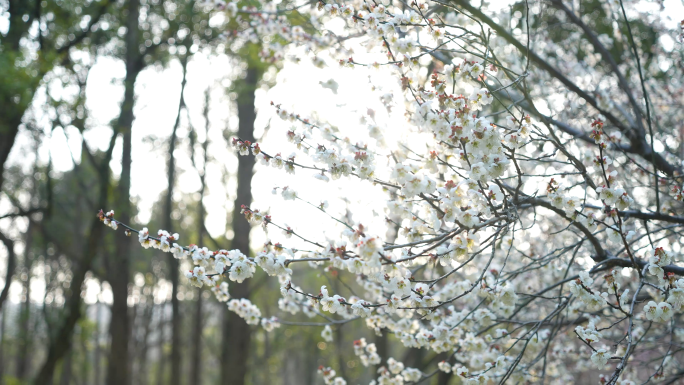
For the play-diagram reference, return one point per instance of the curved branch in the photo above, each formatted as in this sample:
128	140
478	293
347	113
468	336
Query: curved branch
11	266
601	253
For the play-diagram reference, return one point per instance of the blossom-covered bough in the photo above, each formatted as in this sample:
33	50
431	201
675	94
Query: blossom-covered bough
534	210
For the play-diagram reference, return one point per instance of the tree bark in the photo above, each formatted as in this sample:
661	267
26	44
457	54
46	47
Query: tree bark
132	320
3	330
25	313
236	332
65	377
196	358
8	133
142	358
25	322
161	325
117	368
168	224
97	355
118	372
84	375
11	266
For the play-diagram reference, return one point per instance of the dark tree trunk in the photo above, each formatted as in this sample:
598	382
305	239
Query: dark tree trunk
444	378
11	266
117	368
142	358
3	330
97	355
118	364
25	314
161	325
168	225
196	358
25	339
8	132
84	375
236	333
131	339
382	343
65	377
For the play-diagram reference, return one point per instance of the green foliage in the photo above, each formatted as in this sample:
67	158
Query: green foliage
25	57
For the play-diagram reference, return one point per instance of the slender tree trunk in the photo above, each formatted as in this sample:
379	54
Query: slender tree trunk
118	366
98	349
168	224
161	325
25	313
84	376
133	316
142	360
3	330
196	359
24	321
25	340
267	355
311	362
117	370
236	333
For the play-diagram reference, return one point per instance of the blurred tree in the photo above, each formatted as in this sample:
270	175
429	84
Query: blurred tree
236	332
174	266
11	266
119	267
146	36
40	35
196	357
60	333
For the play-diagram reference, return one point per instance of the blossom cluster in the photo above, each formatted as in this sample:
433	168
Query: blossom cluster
505	203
